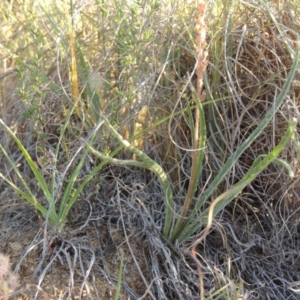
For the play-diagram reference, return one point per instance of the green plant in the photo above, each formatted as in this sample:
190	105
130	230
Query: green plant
185	226
128	86
56	218
55	210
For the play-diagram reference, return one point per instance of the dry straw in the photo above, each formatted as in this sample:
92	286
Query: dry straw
200	69
152	85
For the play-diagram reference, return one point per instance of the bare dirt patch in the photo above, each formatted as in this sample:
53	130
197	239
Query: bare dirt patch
65	260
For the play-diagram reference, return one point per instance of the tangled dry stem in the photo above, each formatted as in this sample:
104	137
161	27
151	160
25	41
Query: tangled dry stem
254	241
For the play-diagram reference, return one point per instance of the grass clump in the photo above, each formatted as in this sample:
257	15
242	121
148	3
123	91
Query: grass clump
176	123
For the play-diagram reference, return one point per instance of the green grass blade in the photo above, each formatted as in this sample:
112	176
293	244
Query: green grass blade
30	198
246	144
260	164
197	162
33	167
147	163
17	172
93	97
68	200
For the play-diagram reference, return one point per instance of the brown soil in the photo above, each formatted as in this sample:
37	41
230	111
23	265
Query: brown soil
23	236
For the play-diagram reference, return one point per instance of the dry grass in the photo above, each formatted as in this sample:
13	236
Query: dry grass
147	65
8	280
